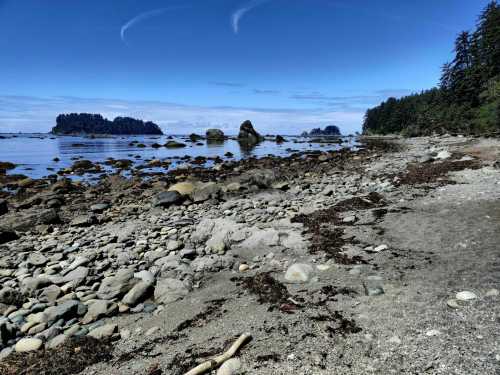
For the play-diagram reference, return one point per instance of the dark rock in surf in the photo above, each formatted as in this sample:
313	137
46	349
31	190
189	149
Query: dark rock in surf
248	134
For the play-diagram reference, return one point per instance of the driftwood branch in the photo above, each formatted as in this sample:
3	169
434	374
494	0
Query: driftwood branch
217	361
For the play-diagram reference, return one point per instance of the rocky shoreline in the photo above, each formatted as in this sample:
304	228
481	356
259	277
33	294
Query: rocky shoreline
306	253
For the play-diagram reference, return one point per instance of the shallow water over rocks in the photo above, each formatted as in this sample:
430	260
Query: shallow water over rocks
40	155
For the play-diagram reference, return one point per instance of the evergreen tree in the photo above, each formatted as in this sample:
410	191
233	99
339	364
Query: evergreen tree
468	97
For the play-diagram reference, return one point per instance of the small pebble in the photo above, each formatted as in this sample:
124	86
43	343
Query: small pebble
492	293
244	267
432	333
465	296
323	267
395	340
380	248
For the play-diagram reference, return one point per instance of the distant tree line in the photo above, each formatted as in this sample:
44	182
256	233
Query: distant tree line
468	98
329	130
85	123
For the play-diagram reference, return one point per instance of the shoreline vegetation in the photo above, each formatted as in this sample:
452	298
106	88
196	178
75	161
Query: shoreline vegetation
467	100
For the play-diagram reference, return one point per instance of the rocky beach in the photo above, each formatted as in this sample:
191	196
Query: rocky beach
380	260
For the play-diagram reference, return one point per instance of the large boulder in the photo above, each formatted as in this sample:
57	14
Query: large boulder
7	331
205	191
183	188
215	135
67	310
99	309
9	296
118	285
263	178
26	221
195	137
248	134
137	293
7	235
82	165
28	345
83	221
168	198
3	207
174	144
30	285
104	332
171	290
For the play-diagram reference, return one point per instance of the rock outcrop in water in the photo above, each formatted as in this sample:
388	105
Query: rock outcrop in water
85	123
248	134
215	135
330	130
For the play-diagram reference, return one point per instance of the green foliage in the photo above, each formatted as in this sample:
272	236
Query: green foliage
468	98
85	123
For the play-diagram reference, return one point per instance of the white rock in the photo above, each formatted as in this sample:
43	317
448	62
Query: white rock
380	248
453	303
442	155
299	273
230	367
492	293
243	267
323	267
349	219
465	296
28	345
433	332
395	340
145	276
173	245
125	334
152	331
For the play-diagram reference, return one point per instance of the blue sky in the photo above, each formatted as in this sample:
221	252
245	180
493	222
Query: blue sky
287	65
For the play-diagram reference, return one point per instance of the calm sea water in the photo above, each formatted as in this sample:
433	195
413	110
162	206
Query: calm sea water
34	153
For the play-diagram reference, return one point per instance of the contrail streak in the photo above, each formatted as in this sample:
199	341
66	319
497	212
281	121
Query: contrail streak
239	13
143	17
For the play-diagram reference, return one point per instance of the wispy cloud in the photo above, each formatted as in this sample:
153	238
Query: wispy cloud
33	114
265	92
351	101
240	13
227	84
143	17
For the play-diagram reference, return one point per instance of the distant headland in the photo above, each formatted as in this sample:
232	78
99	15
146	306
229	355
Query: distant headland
86	123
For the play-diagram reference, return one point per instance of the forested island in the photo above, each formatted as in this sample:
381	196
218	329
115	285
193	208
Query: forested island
85	123
467	100
330	130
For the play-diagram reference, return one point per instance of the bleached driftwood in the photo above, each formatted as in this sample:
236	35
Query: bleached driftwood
217	361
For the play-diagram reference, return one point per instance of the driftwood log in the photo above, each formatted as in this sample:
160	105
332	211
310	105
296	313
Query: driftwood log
219	360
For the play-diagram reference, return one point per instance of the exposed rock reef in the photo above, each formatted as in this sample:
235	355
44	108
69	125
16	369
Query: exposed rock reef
335	261
85	123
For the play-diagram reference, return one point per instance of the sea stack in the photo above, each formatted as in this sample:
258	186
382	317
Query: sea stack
248	134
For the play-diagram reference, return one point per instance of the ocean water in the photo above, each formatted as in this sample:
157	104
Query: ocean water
34	154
